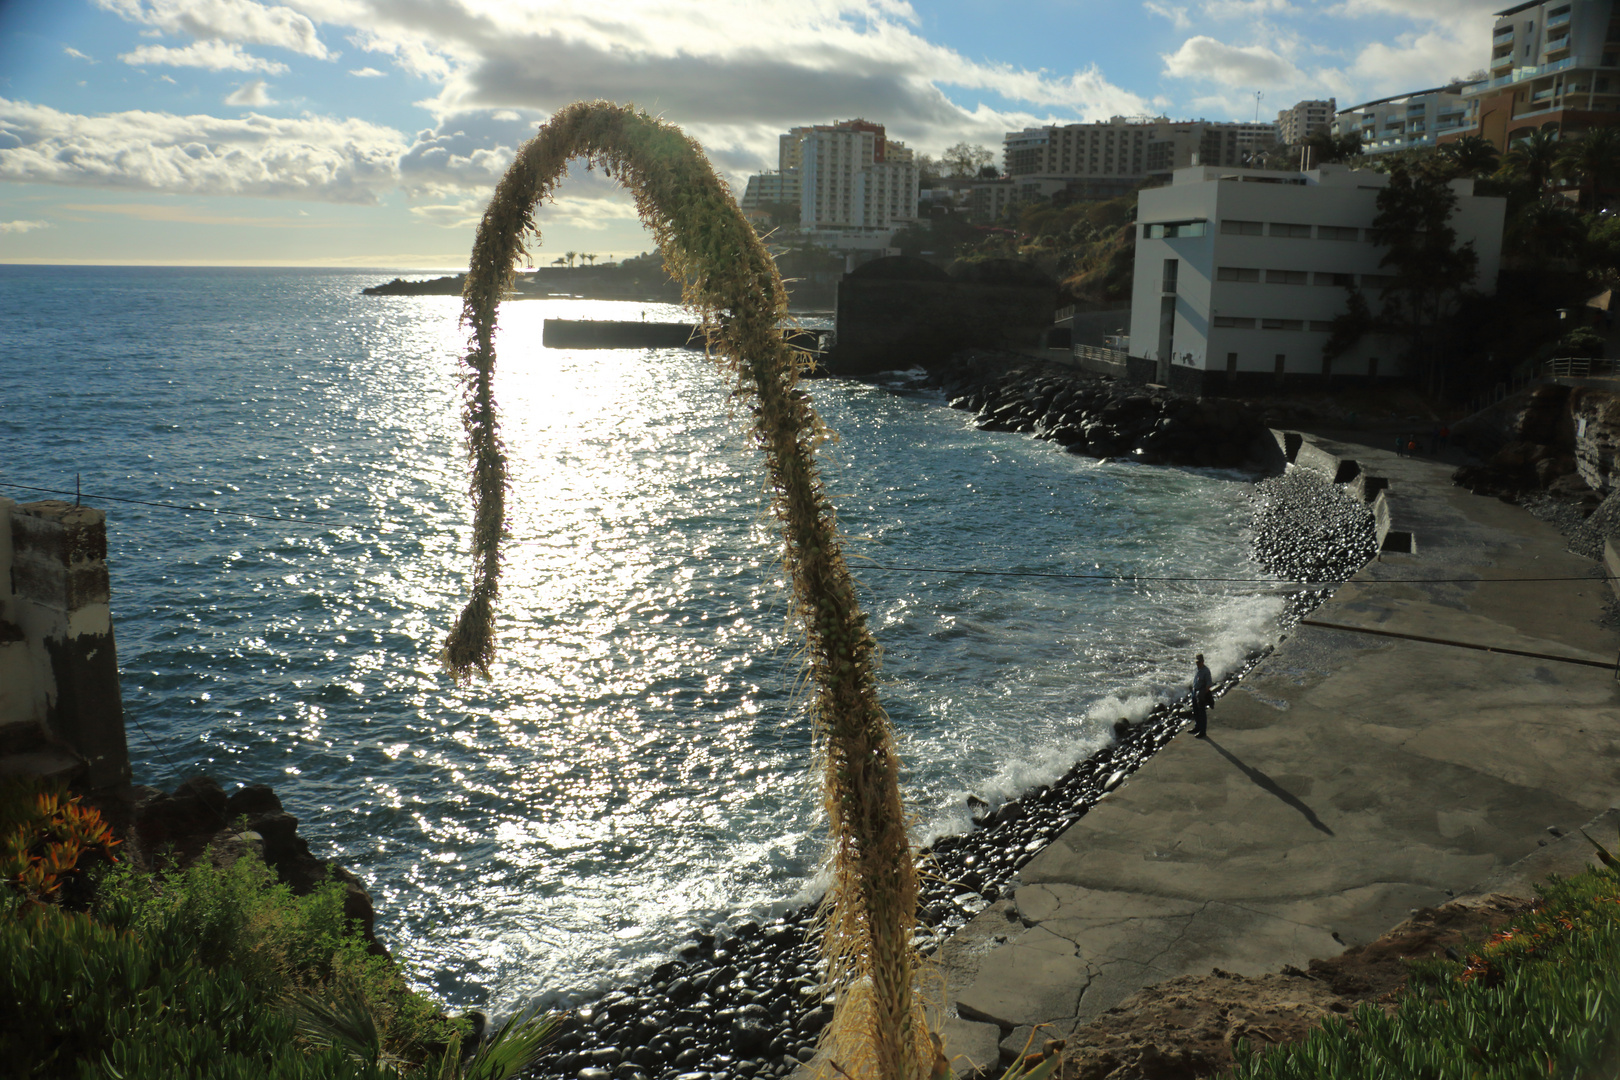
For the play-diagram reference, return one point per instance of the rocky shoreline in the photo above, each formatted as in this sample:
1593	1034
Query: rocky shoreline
1100	417
744	1003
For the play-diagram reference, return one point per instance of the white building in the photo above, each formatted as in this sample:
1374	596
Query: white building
1406	121
1554	66
1305	119
854	178
1239	274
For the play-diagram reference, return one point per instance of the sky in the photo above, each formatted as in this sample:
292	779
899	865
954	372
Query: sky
370	133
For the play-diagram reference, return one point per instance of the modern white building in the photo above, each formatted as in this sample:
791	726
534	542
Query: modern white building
1239	274
1553	66
1405	121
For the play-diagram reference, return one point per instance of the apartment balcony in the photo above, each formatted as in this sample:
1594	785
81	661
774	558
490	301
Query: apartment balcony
1502	34
1558	20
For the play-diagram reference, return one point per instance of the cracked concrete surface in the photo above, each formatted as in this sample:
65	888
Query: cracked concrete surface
1349	779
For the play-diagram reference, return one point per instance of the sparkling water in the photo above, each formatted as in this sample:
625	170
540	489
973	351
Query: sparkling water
640	762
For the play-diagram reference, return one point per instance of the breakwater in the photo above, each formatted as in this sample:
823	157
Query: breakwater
1101	418
744	1002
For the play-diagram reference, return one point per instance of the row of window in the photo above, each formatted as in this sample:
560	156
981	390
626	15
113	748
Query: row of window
1301	277
1170	230
1235	322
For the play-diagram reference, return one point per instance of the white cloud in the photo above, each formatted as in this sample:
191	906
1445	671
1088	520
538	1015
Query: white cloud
734	73
309	157
366	73
1176	15
228	20
1203	57
1244	9
22	226
251	94
212	55
76	54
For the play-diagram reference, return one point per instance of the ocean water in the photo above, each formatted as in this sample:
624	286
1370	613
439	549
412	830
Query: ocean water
640	762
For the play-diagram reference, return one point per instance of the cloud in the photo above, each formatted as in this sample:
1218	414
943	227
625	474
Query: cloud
309	157
228	20
212	55
187	215
1244	9
1176	15
1381	69
69	50
734	73
1203	57
251	94
366	73
22	226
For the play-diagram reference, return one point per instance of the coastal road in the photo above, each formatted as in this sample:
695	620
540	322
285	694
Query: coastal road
1351	777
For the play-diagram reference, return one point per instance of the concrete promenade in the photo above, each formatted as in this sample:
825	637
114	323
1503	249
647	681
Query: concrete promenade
1349	779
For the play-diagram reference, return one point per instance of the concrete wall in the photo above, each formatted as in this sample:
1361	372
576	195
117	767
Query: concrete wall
58	661
885	323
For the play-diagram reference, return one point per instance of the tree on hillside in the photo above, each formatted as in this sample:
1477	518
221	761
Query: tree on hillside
1471	155
1429	268
1589	160
965	159
1535	157
1326	148
928	171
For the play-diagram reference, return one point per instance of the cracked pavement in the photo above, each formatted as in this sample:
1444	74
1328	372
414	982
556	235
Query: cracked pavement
1349	779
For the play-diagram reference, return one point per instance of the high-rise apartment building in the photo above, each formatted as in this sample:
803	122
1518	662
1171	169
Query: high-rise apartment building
1105	160
1553	66
1305	119
848	177
1406	121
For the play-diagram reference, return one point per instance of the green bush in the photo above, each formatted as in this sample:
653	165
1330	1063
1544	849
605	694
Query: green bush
221	972
1540	998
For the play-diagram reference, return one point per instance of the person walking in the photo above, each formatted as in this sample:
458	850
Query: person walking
1203	696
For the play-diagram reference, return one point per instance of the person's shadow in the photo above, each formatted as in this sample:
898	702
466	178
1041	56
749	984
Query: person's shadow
1266	782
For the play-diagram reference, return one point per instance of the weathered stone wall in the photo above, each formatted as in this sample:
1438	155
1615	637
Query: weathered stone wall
58	661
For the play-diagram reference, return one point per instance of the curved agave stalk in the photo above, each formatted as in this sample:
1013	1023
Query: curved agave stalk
728	276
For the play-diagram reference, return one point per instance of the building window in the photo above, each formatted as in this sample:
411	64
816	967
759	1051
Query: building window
1336	279
1240	228
1171	230
1233	322
1286	277
1231	366
1236	273
1297	232
1336	232
1282	324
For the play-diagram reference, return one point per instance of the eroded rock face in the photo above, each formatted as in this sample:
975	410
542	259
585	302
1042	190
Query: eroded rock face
1595	416
198	816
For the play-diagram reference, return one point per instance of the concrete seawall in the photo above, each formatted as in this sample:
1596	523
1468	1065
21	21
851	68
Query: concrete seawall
1415	735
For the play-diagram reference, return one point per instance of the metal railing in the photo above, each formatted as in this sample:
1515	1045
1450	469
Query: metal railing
1563	367
1094	352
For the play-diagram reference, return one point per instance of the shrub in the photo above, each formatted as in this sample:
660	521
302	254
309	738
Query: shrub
1539	998
45	834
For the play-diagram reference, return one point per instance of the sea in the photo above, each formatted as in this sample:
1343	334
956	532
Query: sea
282	466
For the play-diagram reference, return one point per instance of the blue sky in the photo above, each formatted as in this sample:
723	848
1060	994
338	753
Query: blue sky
370	132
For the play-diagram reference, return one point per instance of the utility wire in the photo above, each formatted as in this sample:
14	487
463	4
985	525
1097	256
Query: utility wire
960	571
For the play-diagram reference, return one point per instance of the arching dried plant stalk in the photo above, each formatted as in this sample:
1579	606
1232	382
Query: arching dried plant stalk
727	275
